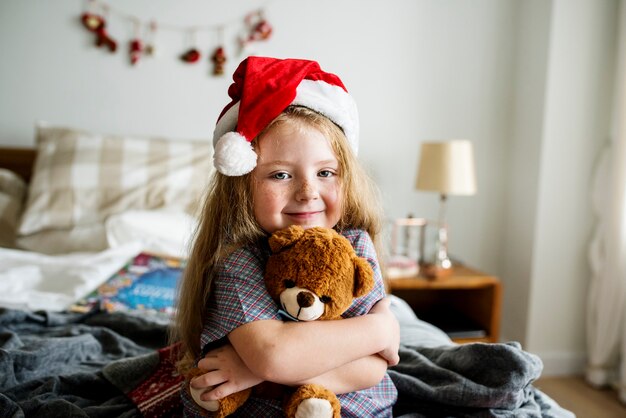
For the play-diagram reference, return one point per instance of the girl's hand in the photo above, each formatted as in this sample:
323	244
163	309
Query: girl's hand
391	328
227	374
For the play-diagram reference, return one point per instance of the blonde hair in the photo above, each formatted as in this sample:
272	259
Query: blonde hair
227	222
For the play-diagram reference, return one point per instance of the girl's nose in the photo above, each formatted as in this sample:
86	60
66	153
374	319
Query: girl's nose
306	191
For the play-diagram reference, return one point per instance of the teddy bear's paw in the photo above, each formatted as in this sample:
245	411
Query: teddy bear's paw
210	406
314	408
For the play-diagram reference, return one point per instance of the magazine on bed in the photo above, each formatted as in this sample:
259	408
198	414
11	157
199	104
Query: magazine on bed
146	285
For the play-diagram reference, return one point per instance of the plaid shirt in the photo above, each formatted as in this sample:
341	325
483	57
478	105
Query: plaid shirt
239	296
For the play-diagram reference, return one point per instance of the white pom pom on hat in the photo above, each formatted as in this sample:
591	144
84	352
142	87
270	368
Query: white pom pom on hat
264	87
234	155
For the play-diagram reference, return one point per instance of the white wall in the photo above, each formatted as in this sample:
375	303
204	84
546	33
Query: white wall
502	73
524	153
565	62
577	116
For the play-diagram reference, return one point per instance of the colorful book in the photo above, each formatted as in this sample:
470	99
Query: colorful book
146	285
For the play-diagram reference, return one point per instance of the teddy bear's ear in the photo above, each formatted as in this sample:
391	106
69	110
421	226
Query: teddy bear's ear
285	237
363	277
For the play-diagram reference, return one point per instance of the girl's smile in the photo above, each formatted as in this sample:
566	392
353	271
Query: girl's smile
303	215
296	180
301	218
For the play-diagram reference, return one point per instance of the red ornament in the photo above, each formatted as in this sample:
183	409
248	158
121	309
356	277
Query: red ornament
261	31
190	56
135	50
219	59
96	24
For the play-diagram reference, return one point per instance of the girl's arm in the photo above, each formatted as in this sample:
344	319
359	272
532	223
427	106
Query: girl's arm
295	353
357	375
291	352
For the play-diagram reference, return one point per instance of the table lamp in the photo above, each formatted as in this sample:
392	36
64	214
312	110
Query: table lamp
446	167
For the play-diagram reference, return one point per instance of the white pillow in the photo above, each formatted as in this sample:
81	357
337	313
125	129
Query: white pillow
163	231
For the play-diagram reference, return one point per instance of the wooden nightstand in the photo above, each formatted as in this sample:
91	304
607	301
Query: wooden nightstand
465	304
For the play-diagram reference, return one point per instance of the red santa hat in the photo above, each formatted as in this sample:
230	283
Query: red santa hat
262	89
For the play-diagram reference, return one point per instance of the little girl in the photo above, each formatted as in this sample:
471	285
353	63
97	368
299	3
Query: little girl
285	153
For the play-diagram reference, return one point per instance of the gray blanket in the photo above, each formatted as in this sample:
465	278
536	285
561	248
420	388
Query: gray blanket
57	364
61	365
471	380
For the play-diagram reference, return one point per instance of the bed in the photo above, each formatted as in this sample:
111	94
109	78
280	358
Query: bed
79	205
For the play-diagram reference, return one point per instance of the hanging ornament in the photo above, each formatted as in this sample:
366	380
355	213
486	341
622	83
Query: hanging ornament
258	29
150	49
192	54
219	59
135	46
219	56
97	24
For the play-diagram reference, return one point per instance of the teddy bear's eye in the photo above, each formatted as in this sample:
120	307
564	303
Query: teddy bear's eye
325	299
289	284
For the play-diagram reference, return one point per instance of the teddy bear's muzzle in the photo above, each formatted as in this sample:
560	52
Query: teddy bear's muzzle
301	304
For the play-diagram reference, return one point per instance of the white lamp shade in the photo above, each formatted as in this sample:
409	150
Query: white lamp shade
447	167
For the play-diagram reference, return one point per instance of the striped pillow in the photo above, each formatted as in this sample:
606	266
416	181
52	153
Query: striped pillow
81	178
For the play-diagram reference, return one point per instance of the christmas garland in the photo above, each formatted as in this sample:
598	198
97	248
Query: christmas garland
96	13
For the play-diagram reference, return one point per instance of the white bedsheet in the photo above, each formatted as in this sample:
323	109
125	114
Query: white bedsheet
35	281
31	280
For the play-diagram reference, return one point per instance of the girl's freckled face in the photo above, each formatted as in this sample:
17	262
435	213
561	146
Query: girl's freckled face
296	180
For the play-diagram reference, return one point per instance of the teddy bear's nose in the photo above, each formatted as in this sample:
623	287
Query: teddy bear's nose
305	299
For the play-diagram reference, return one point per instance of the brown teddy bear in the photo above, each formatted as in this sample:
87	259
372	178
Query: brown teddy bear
312	274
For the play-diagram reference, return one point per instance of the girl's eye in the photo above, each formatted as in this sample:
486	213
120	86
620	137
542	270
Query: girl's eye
280	176
325	173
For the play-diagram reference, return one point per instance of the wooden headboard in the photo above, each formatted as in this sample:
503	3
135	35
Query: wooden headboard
19	160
